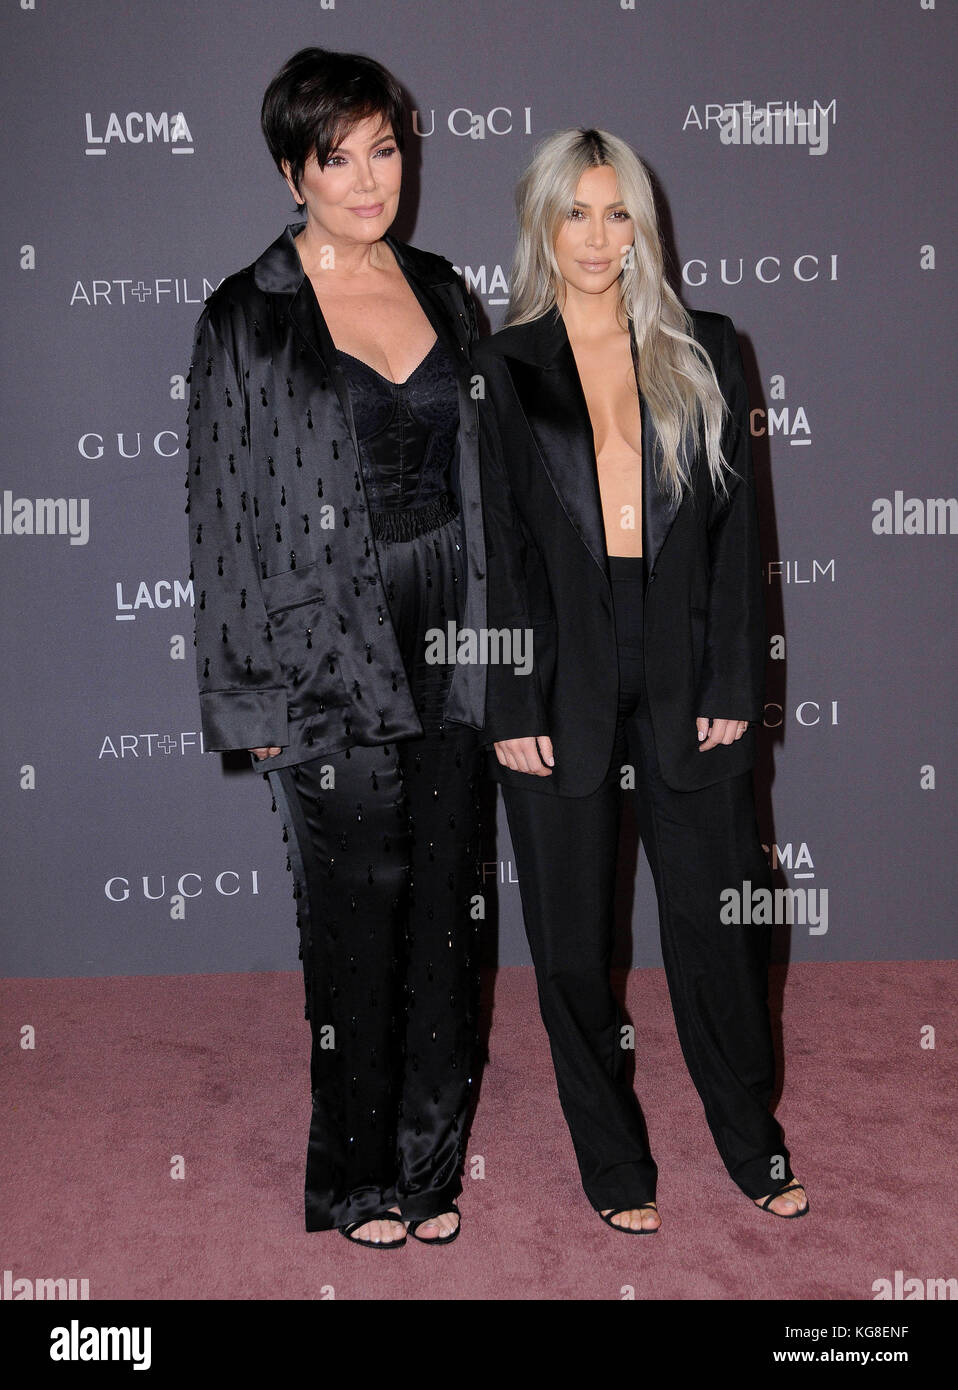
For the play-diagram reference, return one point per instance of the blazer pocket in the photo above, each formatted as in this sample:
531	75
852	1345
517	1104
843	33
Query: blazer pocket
308	641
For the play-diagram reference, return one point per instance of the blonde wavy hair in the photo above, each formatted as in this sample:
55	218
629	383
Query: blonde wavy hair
675	374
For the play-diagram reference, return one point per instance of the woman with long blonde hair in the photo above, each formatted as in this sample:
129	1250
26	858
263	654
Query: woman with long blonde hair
622	531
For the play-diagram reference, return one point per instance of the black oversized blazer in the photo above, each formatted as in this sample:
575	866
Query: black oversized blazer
294	643
704	626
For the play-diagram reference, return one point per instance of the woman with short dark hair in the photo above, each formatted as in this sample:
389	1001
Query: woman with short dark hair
335	519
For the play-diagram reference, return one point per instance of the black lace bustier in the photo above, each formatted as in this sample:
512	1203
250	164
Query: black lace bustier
406	430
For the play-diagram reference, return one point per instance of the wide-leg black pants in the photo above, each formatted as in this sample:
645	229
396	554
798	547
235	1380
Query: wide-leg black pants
384	849
698	844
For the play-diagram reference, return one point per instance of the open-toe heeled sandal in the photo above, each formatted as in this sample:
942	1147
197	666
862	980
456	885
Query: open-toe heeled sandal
413	1227
631	1230
783	1192
347	1231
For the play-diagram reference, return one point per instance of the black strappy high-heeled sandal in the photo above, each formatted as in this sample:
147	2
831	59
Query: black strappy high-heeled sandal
413	1227
631	1230
347	1231
783	1192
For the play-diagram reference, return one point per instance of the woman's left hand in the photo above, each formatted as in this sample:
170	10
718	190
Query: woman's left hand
722	731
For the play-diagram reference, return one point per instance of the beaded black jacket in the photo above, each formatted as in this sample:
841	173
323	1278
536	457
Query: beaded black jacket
295	647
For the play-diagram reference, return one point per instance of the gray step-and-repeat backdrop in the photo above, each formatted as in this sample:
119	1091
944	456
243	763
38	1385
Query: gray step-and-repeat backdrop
136	179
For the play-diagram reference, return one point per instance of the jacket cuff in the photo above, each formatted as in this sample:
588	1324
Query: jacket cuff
244	719
713	701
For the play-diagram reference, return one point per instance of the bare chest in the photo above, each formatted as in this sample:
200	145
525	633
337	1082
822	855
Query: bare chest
383	324
612	399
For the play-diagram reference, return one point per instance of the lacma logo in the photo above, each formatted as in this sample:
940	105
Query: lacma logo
139	128
489	283
164	593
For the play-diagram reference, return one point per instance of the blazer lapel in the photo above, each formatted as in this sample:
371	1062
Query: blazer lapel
547	383
439	303
658	509
554	406
307	317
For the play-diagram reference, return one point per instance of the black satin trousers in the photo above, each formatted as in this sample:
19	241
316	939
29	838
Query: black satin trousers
698	843
385	853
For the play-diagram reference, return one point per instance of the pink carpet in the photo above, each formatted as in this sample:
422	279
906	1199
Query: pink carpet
127	1073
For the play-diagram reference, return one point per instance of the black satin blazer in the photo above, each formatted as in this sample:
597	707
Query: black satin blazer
704	625
294	643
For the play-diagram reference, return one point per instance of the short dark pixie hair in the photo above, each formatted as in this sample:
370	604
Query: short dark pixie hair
317	97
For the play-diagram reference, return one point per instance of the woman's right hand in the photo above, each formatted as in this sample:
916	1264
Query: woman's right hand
262	753
527	755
